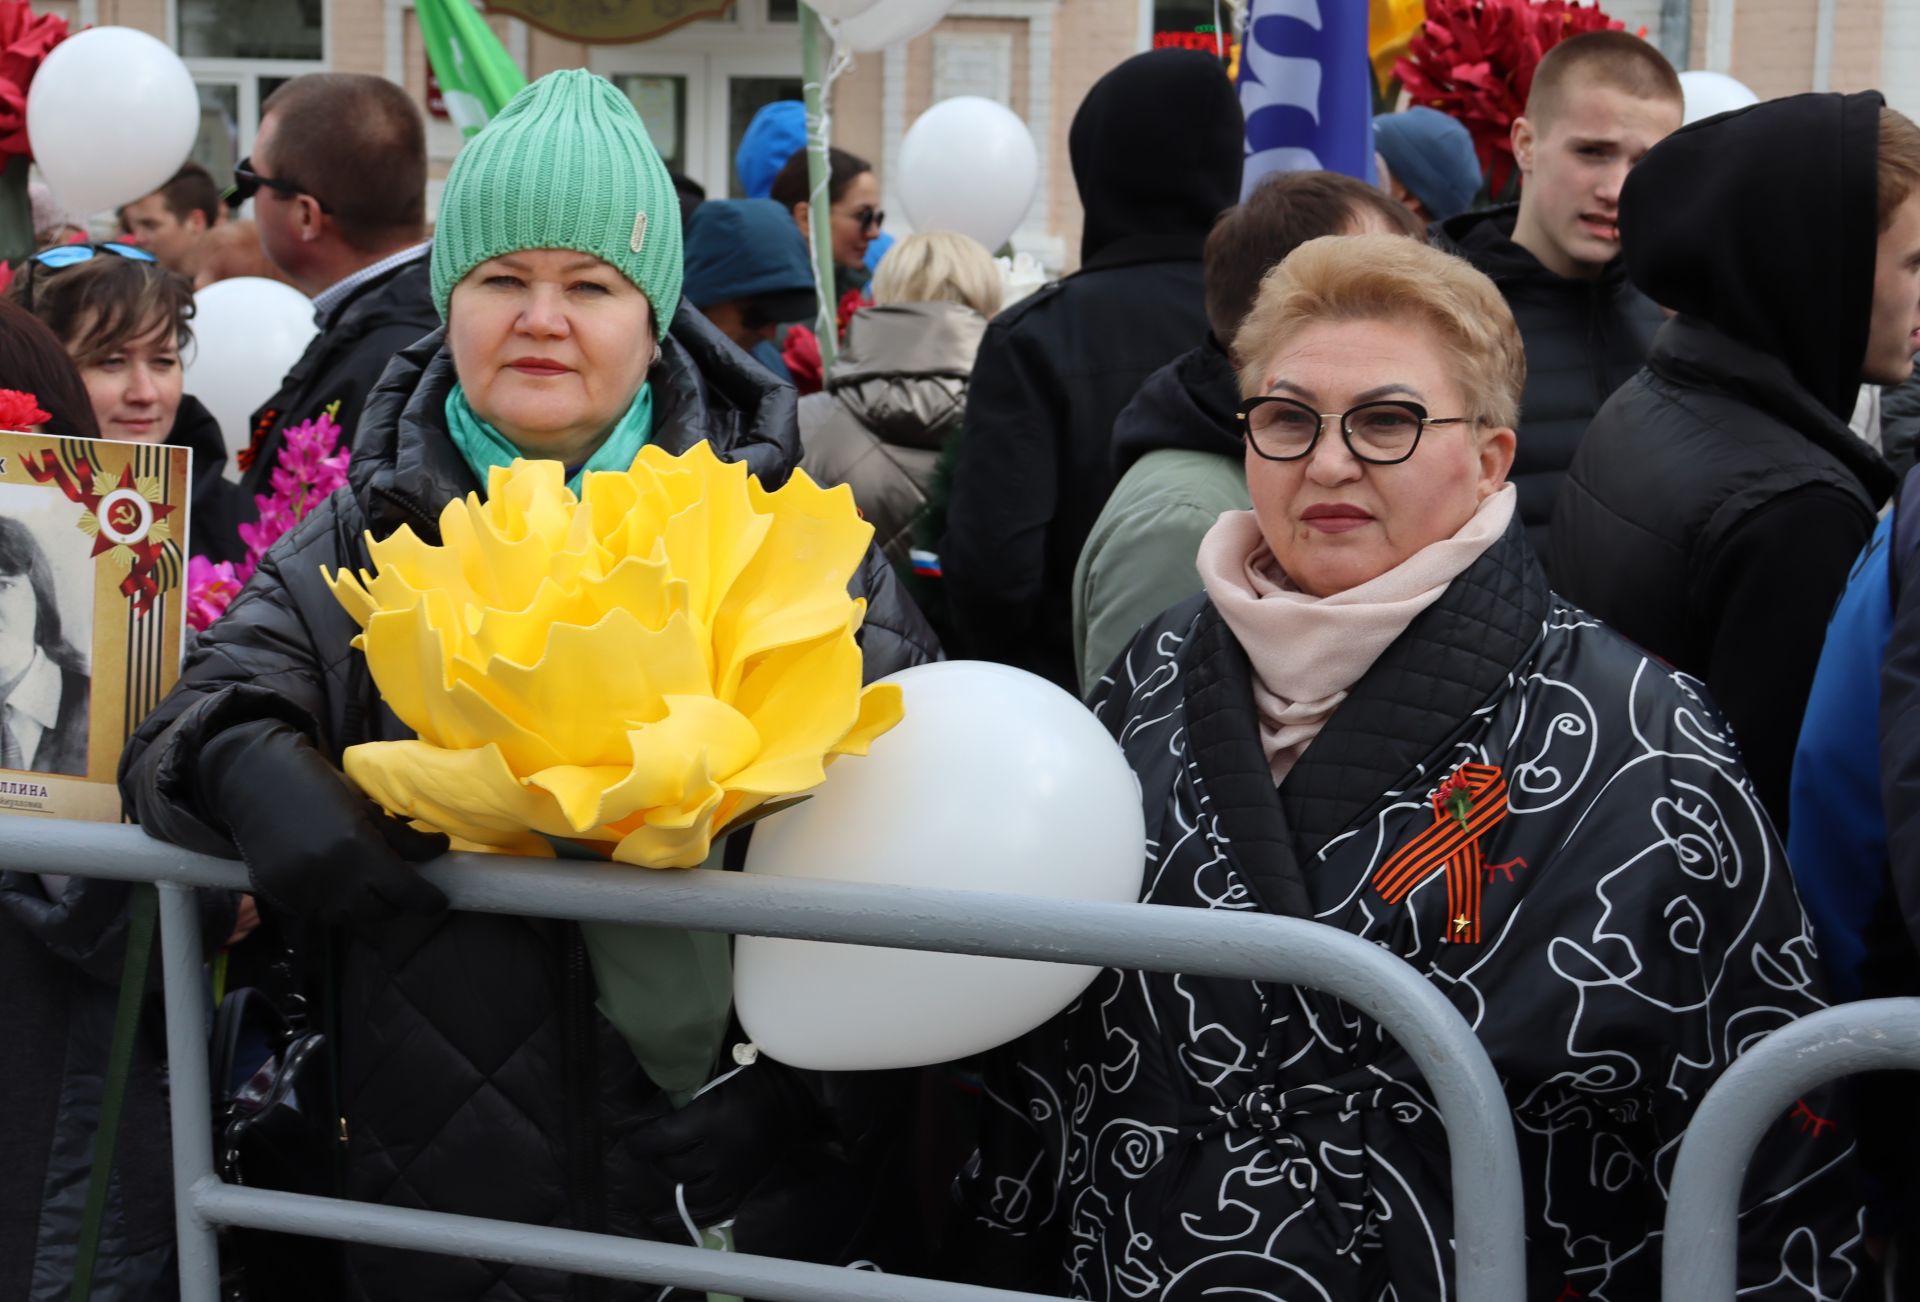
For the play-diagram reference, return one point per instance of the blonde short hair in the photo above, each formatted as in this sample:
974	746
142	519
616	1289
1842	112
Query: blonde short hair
1391	278
939	267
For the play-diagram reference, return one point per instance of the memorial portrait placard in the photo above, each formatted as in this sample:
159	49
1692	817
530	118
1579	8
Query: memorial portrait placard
93	539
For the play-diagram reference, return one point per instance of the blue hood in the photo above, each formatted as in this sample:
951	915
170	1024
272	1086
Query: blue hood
776	134
743	248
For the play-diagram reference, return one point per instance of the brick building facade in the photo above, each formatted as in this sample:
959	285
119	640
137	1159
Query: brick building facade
698	84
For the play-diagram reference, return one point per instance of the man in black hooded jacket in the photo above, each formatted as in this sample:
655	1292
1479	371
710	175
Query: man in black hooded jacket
1157	148
1597	104
1719	499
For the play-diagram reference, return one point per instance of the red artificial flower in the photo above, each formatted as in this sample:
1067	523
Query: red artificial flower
850	302
25	39
1474	60
1455	796
20	411
801	353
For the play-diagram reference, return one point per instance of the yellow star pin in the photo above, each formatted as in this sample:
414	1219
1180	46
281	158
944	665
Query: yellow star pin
1460	923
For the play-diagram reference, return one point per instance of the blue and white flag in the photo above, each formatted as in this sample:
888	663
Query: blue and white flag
1306	86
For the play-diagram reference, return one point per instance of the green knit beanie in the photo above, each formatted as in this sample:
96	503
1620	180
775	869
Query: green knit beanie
565	165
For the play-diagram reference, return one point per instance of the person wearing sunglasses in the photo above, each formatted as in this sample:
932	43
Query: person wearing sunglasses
854	192
1378	716
125	321
338	179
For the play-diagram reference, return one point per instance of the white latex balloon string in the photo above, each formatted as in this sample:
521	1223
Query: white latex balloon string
839	62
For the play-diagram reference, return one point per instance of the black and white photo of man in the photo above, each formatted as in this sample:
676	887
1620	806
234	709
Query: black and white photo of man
44	682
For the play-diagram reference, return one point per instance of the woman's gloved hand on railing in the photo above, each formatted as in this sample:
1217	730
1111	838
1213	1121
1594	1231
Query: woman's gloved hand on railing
313	845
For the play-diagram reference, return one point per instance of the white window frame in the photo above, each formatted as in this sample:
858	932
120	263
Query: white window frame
708	55
246	73
640	61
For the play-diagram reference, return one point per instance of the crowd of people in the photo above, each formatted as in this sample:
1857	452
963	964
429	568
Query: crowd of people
1526	588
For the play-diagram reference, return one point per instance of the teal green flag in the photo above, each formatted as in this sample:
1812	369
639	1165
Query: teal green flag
476	75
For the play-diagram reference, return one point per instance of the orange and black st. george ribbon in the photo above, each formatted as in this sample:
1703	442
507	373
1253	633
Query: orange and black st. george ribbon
1469	804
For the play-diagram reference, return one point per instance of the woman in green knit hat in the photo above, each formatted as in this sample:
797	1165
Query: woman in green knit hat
475	1073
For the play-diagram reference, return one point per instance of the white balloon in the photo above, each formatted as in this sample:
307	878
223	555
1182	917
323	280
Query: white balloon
1707	93
111	116
969	165
995	780
247	334
840	9
888	23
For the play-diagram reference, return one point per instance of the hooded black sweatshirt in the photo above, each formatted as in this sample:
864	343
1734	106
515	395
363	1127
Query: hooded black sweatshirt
1188	405
1157	148
1584	339
1719	499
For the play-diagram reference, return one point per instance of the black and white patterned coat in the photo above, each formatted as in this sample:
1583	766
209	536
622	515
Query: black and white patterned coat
1621	928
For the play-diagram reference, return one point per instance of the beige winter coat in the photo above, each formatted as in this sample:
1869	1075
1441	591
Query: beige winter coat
896	394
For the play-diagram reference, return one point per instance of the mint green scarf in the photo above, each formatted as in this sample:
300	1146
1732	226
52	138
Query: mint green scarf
485	447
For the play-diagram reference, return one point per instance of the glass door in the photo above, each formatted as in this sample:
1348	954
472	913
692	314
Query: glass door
740	86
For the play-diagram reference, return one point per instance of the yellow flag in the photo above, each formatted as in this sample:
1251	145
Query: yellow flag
1390	25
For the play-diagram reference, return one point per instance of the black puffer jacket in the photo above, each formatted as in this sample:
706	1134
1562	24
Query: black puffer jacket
1157	149
341	365
475	1075
1719	499
1584	339
62	948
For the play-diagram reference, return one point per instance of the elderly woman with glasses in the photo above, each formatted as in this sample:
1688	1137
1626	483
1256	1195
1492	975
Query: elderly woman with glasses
1378	717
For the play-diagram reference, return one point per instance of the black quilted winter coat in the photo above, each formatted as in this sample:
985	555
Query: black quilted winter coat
475	1076
1612	915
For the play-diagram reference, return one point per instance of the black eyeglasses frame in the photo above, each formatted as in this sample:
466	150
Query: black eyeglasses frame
1243	416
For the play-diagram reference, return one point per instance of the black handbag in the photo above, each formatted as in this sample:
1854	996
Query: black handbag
274	1127
270	1116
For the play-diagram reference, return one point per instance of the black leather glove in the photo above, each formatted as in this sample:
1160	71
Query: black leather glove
726	1141
313	845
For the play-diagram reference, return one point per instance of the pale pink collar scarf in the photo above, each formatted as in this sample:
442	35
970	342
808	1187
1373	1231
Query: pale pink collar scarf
1307	651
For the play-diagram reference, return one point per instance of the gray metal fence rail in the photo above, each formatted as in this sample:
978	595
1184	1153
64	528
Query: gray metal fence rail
1701	1256
1488	1229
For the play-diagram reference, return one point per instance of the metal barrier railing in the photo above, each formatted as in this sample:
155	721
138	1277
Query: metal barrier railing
1701	1257
1488	1228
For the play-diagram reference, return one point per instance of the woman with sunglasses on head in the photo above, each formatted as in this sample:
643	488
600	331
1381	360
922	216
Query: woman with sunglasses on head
1378	717
124	320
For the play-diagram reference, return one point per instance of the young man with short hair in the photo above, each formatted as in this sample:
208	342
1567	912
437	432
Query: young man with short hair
338	178
172	222
1598	103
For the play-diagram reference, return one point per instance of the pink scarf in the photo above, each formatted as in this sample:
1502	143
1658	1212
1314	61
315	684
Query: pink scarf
1307	651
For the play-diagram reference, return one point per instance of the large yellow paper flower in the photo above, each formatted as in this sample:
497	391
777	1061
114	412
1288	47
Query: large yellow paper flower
642	667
